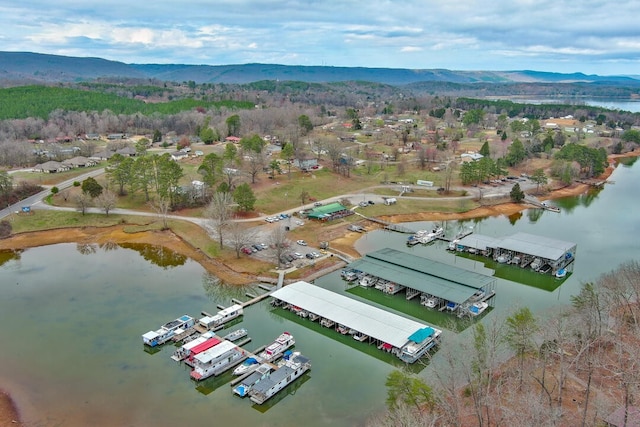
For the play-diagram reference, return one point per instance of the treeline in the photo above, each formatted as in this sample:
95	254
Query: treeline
39	101
544	111
570	366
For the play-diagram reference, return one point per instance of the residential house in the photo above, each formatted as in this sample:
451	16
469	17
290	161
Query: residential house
306	161
79	162
51	167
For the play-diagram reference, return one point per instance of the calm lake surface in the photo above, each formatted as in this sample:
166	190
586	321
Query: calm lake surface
73	316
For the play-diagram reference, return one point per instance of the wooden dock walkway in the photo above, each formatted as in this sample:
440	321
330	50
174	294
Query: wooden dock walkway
388	225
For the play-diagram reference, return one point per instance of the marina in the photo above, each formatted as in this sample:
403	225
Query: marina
540	254
437	283
405	338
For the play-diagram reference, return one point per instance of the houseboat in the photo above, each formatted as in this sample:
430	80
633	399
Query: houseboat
276	348
167	331
284	375
216	360
260	373
184	351
420	342
392	288
201	348
223	316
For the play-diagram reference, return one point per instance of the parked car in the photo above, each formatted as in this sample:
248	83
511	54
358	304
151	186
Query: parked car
246	250
257	247
371	202
298	255
363	204
309	255
264	246
301	242
317	204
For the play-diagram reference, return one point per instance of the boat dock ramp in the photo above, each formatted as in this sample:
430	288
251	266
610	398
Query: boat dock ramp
538	204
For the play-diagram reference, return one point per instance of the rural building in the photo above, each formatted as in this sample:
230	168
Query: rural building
329	212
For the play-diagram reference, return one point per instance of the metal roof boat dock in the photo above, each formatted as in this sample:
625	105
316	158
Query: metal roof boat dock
426	276
406	338
542	253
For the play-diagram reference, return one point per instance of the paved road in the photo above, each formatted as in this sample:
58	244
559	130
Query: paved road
35	201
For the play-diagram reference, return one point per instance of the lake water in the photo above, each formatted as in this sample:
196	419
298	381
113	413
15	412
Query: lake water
73	316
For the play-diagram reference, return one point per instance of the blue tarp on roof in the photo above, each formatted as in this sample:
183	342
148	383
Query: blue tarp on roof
421	334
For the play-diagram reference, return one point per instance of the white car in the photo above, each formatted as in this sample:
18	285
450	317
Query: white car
301	242
298	255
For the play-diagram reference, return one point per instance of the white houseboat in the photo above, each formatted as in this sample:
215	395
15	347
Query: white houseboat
167	331
216	360
223	316
419	343
276	348
293	368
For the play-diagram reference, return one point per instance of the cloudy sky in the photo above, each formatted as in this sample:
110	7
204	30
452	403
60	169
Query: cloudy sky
590	36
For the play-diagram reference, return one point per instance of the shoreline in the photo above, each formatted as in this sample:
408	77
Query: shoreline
9	410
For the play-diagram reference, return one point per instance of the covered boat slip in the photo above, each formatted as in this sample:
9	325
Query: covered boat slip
396	332
424	275
556	253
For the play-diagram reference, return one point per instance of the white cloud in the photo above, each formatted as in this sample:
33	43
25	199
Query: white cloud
501	34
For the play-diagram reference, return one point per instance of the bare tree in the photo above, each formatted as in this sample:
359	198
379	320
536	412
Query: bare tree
278	241
106	201
161	207
239	236
219	212
83	201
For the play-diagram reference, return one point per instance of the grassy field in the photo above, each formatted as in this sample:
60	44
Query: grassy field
46	220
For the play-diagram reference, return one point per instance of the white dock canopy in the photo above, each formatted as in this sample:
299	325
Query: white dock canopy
374	322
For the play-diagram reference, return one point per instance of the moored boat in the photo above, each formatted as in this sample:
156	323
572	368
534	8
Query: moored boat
184	351
236	335
216	360
250	364
260	372
276	348
477	308
292	369
561	273
167	331
223	316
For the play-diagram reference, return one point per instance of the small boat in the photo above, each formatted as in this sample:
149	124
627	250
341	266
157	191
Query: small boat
451	306
561	273
250	363
292	369
360	337
276	348
167	331
367	281
477	308
536	264
342	329
236	335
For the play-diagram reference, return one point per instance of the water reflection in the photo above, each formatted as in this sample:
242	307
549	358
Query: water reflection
158	255
86	248
513	218
10	255
533	214
224	293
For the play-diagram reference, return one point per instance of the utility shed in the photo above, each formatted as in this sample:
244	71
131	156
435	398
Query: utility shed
422	274
388	328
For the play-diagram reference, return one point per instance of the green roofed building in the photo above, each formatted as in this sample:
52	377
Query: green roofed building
454	286
329	212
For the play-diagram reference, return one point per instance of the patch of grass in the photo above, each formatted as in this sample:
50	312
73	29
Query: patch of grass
45	220
196	237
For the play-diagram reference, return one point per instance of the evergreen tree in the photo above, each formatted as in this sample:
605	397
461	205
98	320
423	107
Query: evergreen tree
245	198
517	195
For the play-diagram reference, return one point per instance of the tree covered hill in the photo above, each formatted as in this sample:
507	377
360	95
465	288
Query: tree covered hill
26	67
39	101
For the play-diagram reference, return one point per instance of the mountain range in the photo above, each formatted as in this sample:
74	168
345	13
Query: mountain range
35	68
